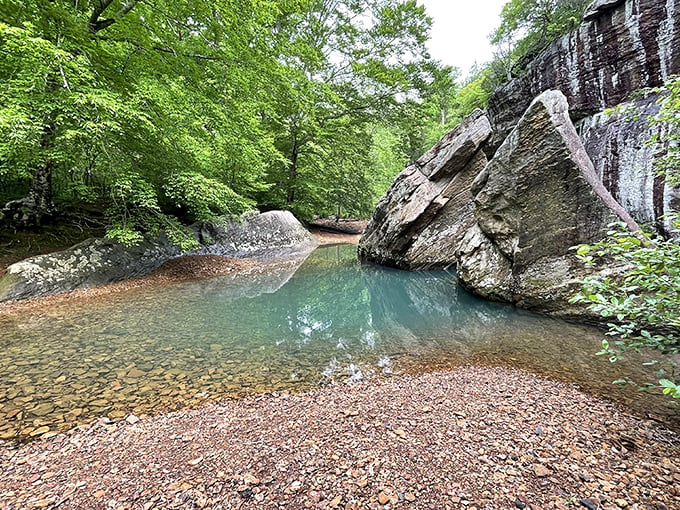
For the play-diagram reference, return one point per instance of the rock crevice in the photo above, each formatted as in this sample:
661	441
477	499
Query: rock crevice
506	226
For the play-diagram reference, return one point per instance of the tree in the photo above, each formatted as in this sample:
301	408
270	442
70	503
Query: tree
527	27
349	64
128	102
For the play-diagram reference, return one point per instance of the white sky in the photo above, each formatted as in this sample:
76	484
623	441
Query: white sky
460	30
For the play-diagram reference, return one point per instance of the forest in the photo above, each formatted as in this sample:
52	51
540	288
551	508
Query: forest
152	115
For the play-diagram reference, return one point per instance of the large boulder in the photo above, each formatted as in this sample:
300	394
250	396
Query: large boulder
538	197
621	47
508	226
424	197
274	234
97	262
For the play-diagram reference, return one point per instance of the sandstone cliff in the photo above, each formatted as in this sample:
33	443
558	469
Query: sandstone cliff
506	215
620	48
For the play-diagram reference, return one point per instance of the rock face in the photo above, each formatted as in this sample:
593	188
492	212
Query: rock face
506	226
617	142
538	197
100	261
621	47
267	235
423	199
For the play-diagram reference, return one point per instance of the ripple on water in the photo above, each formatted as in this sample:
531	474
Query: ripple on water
327	321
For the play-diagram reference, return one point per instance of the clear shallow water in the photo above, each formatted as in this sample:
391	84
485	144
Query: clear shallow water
289	328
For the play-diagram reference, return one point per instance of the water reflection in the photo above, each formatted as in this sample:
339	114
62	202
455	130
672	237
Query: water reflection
290	328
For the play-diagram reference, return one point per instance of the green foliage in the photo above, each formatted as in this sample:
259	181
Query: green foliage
667	140
193	109
527	27
645	300
204	198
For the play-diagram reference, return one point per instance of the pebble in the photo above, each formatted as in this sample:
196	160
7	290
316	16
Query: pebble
132	419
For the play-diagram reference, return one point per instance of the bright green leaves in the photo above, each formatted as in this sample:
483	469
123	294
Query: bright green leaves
204	198
528	26
348	66
644	301
193	109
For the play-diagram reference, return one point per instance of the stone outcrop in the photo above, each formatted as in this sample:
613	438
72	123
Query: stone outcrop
617	141
423	199
537	198
506	226
261	236
100	261
621	47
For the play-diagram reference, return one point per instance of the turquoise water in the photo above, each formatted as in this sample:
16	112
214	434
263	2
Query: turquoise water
290	327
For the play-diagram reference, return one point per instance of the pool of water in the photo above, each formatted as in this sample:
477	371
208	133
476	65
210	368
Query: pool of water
292	327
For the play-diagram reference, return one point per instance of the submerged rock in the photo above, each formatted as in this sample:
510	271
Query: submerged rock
97	262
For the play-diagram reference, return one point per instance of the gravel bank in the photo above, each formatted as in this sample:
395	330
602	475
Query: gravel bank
475	438
191	267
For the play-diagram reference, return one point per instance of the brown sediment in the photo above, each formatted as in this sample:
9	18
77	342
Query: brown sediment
325	238
466	438
191	267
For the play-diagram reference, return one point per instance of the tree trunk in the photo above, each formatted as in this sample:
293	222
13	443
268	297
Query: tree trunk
292	173
37	206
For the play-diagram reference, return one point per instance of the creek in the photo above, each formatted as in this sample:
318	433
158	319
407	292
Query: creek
326	320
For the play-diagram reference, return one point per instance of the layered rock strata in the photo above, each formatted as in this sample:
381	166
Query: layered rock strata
617	141
622	46
506	226
418	223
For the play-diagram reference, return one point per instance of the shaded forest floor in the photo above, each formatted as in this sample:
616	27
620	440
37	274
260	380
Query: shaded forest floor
475	438
19	245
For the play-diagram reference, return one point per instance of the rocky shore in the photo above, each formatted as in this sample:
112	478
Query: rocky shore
475	438
191	267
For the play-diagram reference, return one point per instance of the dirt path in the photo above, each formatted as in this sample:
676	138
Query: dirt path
473	438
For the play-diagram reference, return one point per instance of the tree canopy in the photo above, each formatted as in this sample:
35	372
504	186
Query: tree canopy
527	27
157	112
